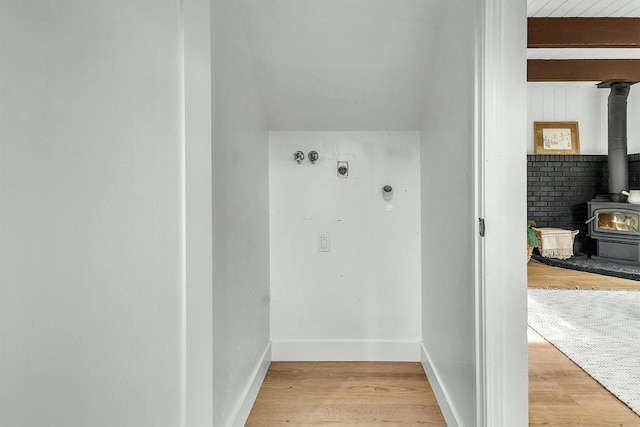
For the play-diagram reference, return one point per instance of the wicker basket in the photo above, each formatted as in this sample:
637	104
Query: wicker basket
529	252
538	234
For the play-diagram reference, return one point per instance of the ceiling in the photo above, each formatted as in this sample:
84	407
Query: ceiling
590	53
583	8
342	64
364	64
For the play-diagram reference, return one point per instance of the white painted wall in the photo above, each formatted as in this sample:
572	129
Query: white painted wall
586	104
240	218
361	300
196	18
448	222
91	284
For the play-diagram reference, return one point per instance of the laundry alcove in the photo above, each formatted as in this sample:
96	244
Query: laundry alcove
387	87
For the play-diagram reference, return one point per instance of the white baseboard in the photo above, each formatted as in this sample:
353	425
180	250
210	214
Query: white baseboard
250	393
448	410
345	350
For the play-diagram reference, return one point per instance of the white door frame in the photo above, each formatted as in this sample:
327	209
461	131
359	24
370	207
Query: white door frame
501	315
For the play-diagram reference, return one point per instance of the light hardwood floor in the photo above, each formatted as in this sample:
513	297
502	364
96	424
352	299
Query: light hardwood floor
345	394
561	394
368	393
542	275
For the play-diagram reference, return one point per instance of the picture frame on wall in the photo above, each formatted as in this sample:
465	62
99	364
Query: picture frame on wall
556	137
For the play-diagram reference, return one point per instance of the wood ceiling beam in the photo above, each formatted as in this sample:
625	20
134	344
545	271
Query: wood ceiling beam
583	70
583	32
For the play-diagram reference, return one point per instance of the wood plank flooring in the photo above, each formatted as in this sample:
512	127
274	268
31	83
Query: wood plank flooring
345	394
542	275
561	394
370	393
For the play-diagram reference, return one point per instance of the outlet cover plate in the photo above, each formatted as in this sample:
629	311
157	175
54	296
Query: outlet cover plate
324	243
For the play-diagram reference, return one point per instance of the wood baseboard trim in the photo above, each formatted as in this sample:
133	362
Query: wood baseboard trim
448	410
345	351
245	404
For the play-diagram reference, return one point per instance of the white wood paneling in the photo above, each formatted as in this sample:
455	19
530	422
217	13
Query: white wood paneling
583	8
585	104
560	103
587	8
582	53
571	103
603	7
560	10
630	9
548	104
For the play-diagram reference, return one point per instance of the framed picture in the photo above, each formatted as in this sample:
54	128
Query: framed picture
556	137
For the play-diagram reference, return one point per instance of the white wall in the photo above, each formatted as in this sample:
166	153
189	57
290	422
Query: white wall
586	104
361	300
240	218
196	18
90	206
448	223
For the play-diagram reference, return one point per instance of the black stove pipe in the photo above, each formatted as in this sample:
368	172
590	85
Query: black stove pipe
617	135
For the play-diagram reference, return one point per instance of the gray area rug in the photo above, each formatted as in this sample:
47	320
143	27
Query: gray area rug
599	330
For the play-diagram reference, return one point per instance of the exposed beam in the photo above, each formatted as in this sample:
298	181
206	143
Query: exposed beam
583	70
583	32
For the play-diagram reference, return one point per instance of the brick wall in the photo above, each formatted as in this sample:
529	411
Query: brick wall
634	171
559	188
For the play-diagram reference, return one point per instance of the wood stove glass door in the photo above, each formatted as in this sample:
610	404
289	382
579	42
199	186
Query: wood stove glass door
626	222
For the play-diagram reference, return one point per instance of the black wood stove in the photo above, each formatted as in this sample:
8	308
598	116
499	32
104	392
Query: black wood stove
615	226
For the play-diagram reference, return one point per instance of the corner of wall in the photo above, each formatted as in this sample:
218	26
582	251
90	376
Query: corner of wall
446	406
250	393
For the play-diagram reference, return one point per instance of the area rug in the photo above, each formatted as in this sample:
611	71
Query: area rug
599	330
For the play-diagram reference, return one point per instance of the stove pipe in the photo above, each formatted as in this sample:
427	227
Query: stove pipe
617	135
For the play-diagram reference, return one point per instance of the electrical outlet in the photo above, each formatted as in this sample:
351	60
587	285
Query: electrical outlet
324	241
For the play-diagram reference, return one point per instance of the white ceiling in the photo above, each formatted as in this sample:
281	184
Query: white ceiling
589	53
364	64
583	8
342	64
